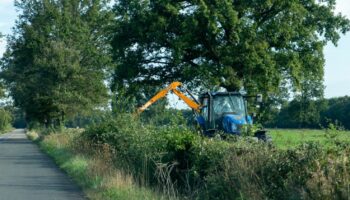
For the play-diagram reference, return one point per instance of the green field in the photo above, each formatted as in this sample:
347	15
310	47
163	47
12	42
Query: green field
290	138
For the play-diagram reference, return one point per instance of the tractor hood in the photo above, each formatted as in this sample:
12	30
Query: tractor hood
233	123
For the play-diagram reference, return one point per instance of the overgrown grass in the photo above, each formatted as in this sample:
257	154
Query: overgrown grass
5	121
91	168
32	135
291	138
123	158
7	130
184	163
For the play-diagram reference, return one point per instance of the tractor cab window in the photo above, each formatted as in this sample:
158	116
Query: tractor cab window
228	105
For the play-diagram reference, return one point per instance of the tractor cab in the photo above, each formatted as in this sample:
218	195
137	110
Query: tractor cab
225	111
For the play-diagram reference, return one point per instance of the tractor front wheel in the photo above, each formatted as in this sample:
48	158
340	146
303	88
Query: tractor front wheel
263	136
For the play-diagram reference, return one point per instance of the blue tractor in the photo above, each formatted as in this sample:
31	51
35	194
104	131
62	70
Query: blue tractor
215	111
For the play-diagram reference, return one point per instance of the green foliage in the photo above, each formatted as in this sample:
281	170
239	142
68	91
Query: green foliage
265	46
311	113
301	114
2	92
129	98
90	169
174	158
53	67
5	119
250	130
338	111
19	120
85	119
160	116
332	131
18	116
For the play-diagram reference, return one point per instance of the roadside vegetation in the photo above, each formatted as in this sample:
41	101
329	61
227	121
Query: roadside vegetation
70	49
5	120
69	62
123	156
91	167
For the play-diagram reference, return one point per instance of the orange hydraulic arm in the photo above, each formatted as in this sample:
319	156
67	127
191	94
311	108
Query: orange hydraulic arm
172	87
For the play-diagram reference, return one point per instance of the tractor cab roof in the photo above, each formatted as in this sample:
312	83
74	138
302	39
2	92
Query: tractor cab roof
213	94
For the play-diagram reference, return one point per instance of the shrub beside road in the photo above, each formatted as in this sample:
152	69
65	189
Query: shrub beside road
5	121
91	167
125	157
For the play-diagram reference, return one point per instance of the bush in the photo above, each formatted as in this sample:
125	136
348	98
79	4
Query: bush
5	119
179	161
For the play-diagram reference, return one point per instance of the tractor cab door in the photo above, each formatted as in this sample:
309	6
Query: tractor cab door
204	112
207	124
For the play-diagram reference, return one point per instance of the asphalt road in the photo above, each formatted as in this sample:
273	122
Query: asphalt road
28	174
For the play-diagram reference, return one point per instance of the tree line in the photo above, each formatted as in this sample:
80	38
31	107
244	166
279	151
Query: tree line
70	57
318	113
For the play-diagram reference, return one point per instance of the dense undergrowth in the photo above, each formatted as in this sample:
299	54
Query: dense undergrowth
187	164
92	169
5	120
179	163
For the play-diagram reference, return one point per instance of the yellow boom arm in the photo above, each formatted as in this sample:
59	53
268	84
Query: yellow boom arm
172	87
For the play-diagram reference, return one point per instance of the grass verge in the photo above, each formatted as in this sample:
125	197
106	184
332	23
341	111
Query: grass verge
123	159
7	130
91	170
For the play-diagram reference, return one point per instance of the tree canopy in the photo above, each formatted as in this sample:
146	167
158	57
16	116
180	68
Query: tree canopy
55	59
60	55
262	45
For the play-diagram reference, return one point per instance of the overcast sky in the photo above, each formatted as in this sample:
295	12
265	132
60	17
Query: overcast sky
337	70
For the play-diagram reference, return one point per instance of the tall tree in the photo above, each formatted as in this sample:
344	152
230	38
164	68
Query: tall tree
258	44
55	60
2	93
